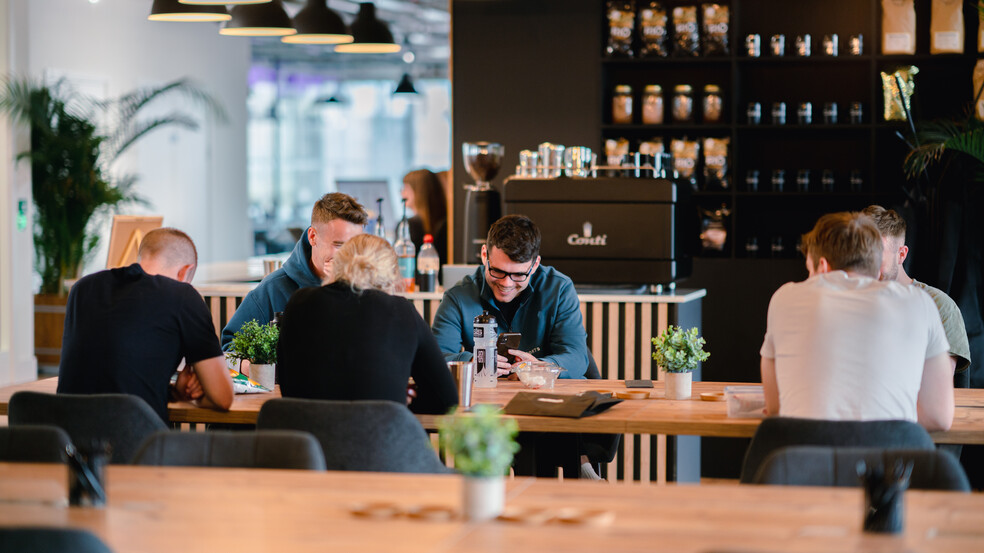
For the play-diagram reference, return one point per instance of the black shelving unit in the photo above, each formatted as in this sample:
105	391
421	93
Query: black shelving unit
872	148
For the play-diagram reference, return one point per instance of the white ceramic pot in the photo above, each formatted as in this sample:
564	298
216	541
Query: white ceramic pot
483	498
264	375
678	385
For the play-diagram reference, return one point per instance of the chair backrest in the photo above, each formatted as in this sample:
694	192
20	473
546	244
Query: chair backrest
778	432
367	435
122	420
50	540
837	466
268	449
33	443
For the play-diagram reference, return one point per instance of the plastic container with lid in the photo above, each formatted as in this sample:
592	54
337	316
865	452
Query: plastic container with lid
683	102
622	105
713	105
652	105
746	402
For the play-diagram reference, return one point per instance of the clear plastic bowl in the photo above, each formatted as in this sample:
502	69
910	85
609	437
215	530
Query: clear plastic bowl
538	375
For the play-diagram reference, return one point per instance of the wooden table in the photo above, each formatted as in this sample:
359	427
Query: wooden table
653	416
208	510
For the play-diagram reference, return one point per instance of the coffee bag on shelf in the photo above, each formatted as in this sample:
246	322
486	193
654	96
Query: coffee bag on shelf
686	38
716	26
898	27
652	30
946	27
716	164
978	83
685	155
897	98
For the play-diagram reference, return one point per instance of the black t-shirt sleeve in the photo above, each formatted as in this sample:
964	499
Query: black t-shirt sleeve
198	338
436	392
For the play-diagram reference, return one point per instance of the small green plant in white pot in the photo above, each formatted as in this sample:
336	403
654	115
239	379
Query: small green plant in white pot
678	352
482	444
257	343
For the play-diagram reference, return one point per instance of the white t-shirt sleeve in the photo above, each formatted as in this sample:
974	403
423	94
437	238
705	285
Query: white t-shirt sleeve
937	342
768	349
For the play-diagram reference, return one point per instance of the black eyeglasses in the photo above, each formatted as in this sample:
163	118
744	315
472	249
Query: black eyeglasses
515	277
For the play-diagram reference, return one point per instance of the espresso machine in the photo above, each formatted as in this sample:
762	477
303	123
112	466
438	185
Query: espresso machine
483	205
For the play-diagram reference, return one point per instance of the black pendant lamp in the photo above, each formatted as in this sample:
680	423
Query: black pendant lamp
268	19
317	24
371	36
405	86
172	10
221	2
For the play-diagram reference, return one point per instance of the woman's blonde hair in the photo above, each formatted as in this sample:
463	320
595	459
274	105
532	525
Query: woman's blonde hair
368	262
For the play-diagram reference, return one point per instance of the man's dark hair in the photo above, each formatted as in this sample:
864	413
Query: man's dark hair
517	237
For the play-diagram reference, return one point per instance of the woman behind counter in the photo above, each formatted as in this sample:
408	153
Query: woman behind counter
424	193
352	339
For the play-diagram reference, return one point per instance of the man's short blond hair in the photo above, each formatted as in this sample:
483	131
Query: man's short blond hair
368	262
171	246
890	224
848	241
338	206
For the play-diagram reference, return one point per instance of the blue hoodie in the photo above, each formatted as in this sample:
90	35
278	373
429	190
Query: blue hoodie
273	292
549	318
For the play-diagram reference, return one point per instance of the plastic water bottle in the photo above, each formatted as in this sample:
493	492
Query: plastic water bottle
485	335
428	264
406	253
380	229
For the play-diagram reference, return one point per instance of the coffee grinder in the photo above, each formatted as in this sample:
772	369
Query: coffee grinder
483	205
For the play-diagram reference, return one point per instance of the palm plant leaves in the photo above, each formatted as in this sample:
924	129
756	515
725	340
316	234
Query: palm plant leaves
936	138
70	157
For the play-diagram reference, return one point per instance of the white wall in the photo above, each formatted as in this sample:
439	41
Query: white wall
197	180
17	361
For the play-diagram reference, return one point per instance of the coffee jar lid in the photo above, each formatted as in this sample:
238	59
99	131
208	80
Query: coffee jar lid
653	89
623	89
713	88
684	88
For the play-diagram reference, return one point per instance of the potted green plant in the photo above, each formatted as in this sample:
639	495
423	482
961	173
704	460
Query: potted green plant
257	343
677	352
482	444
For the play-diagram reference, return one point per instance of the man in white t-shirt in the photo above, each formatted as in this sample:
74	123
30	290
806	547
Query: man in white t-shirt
843	345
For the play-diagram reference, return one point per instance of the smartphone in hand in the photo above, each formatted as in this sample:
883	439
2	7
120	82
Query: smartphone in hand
506	342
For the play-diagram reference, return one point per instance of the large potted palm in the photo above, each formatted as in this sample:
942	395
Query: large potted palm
75	141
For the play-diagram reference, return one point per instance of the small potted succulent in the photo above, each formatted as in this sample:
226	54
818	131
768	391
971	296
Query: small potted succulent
677	352
483	445
257	343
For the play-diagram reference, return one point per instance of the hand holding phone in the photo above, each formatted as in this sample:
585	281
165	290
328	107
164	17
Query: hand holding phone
506	342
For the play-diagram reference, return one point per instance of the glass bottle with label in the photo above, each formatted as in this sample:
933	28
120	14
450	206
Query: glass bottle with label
652	105
683	102
622	105
713	105
406	252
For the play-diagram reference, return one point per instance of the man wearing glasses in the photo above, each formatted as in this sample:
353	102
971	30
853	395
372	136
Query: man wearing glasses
525	297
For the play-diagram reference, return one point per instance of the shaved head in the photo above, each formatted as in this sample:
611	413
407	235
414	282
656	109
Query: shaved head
168	247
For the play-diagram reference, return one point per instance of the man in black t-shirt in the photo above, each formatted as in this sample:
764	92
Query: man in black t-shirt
127	330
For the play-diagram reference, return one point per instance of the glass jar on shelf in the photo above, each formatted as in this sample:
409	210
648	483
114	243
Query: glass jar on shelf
652	105
713	105
683	103
622	105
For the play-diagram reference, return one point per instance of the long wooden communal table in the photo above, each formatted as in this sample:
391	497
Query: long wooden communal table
205	510
642	457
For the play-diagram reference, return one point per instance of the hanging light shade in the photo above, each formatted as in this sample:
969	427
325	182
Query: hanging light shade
405	86
267	19
317	24
371	36
220	2
172	10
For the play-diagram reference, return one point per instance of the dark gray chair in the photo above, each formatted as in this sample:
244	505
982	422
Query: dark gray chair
776	432
50	540
837	466
367	435
270	449
122	420
33	444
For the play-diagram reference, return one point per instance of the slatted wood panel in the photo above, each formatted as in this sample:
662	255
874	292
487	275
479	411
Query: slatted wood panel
619	330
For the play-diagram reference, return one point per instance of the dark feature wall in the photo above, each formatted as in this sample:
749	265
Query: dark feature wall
523	72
